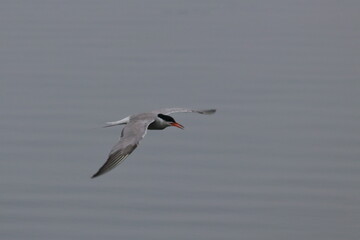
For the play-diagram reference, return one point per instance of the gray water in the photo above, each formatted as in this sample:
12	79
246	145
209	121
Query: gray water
279	160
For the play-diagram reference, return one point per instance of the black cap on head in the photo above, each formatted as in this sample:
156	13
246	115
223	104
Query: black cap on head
166	118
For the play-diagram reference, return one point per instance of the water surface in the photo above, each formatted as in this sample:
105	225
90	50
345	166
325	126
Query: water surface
279	160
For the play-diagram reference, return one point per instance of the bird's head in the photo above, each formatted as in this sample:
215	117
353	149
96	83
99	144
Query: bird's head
170	121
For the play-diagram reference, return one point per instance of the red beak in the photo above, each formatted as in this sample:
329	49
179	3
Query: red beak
178	125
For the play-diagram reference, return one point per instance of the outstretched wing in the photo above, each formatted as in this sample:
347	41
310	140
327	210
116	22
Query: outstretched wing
168	111
131	135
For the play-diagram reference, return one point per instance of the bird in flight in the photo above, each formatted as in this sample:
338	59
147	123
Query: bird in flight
135	130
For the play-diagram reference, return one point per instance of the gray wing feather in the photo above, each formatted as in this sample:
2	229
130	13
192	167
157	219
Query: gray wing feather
176	110
131	135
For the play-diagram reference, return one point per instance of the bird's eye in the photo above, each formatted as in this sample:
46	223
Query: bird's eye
166	118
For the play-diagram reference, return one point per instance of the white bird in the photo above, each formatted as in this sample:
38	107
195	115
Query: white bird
135	130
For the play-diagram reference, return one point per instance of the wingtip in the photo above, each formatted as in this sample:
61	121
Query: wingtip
207	111
95	175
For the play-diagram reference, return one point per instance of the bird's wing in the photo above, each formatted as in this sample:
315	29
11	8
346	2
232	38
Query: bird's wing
168	111
131	135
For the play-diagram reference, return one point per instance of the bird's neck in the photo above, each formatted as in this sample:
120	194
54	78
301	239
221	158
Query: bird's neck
158	124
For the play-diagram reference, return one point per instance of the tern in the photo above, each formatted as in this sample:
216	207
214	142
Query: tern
135	130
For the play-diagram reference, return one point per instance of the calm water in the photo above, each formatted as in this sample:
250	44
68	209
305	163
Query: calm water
279	160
